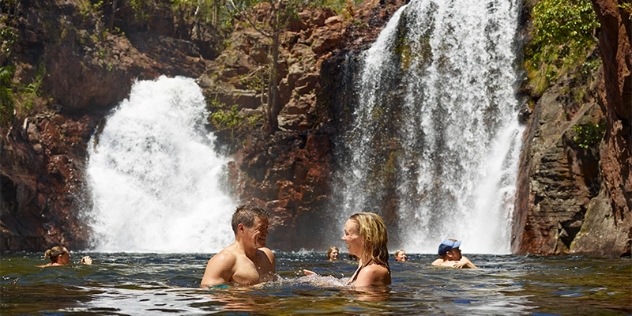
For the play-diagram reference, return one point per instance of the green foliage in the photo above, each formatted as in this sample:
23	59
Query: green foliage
32	91
117	30
588	135
186	8
8	37
142	9
6	95
253	81
219	13
226	119
338	6
562	37
15	96
254	119
87	8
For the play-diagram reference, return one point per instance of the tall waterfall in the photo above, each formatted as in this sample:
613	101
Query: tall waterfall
435	140
154	176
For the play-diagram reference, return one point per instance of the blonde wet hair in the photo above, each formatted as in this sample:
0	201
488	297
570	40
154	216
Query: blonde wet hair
373	232
55	252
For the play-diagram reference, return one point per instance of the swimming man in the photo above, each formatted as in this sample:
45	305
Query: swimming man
450	256
246	261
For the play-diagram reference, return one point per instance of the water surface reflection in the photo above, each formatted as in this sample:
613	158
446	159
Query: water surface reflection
135	284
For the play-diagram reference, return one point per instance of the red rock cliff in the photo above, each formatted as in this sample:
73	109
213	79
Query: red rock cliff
579	200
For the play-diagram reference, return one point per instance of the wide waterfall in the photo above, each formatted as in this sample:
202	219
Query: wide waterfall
435	140
155	178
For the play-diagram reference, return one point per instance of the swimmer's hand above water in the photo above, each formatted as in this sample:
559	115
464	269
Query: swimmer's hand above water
86	260
309	272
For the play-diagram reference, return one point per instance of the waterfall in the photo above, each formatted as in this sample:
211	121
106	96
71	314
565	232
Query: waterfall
154	175
435	139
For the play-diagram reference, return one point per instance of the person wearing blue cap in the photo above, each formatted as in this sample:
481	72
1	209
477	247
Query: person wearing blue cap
450	256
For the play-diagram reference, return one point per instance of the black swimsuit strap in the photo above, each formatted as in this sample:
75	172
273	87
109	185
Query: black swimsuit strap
357	272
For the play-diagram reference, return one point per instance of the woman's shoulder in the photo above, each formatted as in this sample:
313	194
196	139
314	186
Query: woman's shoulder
373	274
375	270
373	266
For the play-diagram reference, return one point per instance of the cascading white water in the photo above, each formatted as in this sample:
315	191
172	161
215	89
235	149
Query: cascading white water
445	80
155	177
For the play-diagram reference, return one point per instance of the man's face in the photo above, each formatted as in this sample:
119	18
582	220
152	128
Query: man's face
454	254
258	232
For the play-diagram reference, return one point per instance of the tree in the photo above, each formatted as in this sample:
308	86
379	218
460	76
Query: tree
279	14
6	94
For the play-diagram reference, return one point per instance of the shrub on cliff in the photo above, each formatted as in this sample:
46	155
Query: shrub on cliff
563	34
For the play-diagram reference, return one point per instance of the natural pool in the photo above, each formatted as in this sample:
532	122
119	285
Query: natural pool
143	284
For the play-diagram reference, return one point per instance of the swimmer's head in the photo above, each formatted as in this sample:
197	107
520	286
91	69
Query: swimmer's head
246	214
58	254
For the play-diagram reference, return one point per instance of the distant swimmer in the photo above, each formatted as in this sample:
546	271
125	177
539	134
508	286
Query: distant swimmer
450	256
59	256
400	255
332	253
246	261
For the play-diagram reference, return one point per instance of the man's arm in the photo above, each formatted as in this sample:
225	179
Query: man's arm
465	263
219	270
271	257
268	269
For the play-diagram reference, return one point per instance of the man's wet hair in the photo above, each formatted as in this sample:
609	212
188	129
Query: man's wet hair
246	214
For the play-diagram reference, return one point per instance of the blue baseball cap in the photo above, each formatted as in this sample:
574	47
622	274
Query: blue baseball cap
447	245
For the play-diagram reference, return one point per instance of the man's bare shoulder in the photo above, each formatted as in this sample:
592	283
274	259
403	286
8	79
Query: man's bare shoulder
225	254
268	253
220	268
225	260
444	263
437	262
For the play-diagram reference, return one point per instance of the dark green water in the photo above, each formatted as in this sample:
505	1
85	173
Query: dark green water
150	284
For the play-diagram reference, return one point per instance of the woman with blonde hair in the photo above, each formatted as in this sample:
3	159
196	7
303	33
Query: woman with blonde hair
365	235
58	255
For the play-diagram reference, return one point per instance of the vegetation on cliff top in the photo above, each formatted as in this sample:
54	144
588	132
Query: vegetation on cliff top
563	35
16	98
277	16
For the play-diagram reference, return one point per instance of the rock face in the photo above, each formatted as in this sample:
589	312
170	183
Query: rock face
43	156
40	194
572	199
